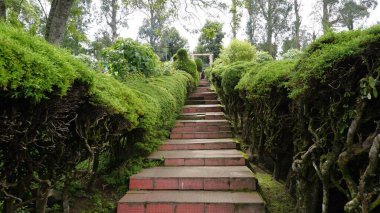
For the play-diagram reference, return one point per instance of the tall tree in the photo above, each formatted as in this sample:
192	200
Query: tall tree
3	10
252	10
330	13
78	23
275	14
210	40
57	21
158	13
297	24
171	41
352	11
115	13
236	17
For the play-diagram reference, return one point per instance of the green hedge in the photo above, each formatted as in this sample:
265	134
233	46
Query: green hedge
313	121
58	116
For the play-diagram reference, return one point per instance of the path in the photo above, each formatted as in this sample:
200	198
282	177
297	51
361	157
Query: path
203	172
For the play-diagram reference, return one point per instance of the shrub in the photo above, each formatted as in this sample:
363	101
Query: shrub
182	62
292	54
238	51
128	56
263	56
57	114
199	64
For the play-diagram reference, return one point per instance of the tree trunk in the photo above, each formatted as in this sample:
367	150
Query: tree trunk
325	17
113	23
251	21
42	198
3	10
297	25
57	20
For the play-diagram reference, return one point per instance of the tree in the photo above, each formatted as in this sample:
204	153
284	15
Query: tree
211	38
297	24
252	9
330	10
115	13
3	10
275	14
158	13
57	20
352	11
78	22
171	41
236	17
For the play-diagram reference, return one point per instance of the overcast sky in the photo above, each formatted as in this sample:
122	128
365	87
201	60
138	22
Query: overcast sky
135	21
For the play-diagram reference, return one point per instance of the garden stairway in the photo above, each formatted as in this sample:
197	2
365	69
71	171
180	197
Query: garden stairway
202	173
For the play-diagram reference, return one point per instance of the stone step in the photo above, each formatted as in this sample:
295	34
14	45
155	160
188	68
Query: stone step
203	116
191	202
203	89
205	95
182	123
201	135
199	144
226	157
200	102
202	108
194	178
209	128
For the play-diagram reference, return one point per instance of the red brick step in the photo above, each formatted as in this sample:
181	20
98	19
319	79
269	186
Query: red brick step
229	157
194	178
182	123
201	135
200	144
191	202
203	116
209	128
205	95
202	108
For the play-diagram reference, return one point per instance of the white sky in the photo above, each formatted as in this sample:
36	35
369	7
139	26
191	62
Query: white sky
135	21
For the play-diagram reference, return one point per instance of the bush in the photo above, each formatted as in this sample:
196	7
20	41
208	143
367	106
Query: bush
182	62
292	54
238	51
128	56
57	114
314	121
263	56
199	64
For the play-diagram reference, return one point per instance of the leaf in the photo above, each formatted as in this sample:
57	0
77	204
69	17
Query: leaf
375	93
372	82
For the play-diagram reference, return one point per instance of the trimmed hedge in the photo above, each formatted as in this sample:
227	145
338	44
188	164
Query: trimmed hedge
183	62
314	120
56	114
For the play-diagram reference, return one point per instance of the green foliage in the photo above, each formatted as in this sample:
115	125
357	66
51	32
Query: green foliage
128	56
32	68
56	107
263	56
170	42
260	80
210	40
183	62
292	54
232	74
199	63
331	49
238	51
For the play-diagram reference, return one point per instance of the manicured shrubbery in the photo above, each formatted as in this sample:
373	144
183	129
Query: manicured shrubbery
199	64
61	122
313	120
183	62
238	51
128	56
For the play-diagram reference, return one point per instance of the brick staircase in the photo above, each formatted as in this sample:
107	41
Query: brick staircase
202	173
